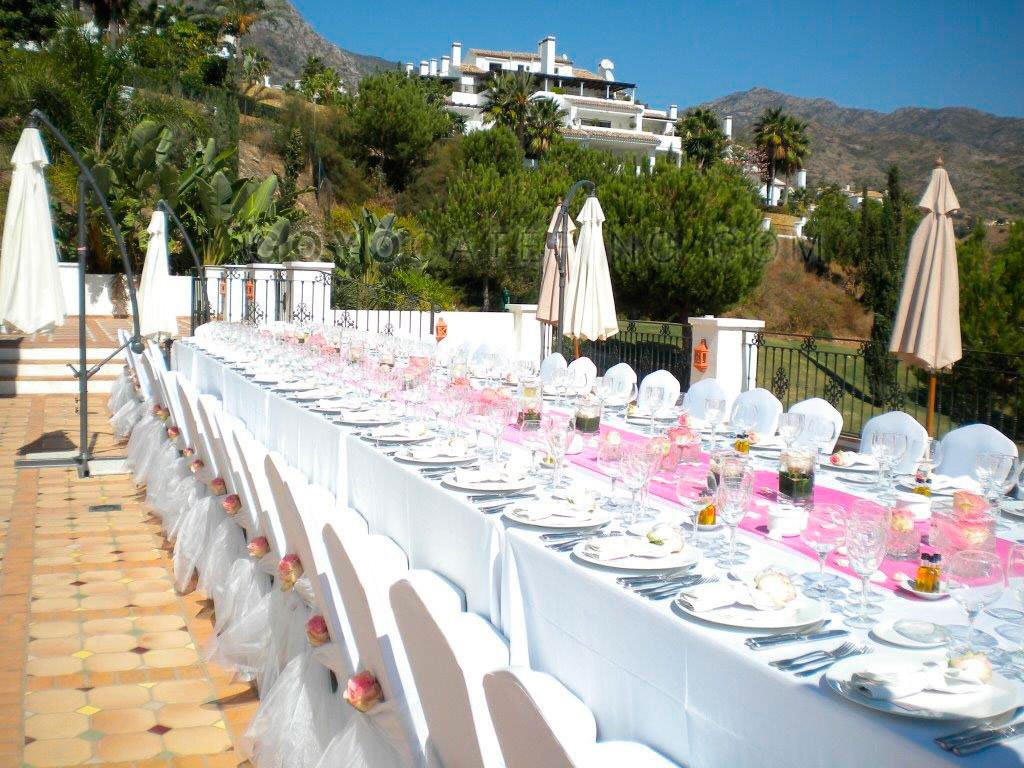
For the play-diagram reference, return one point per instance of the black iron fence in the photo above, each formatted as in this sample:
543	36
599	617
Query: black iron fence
861	379
647	346
261	294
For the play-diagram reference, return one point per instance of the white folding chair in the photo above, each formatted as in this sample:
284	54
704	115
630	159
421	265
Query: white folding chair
700	392
550	366
540	724
816	408
663	379
903	423
449	654
961	446
769	409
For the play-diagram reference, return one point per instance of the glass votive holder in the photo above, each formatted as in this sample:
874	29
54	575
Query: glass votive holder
903	540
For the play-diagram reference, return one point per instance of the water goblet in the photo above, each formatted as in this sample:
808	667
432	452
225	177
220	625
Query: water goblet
691	485
531	433
654	397
867	526
992	470
714	412
790	427
559	434
975	581
609	462
635	477
733	499
743	418
823	532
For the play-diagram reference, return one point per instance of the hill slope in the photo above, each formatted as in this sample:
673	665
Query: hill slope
293	40
984	153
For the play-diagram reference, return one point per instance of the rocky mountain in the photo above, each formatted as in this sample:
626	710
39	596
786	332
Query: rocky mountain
984	153
292	40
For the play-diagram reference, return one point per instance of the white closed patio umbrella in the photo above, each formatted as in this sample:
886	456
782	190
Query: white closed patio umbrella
548	305
31	297
156	313
926	329
589	303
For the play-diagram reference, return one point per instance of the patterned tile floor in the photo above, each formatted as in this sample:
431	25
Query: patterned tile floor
103	662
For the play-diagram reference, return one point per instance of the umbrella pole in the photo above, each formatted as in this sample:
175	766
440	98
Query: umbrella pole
930	418
83	379
576	347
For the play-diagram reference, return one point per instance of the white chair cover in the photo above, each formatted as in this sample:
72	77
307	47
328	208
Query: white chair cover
904	423
551	365
660	378
816	408
961	446
449	655
701	391
769	409
392	734
585	366
617	380
540	724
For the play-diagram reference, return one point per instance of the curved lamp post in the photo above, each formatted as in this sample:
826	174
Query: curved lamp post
86	184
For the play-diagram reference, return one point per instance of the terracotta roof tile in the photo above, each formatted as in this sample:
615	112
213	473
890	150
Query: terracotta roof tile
598	134
531	56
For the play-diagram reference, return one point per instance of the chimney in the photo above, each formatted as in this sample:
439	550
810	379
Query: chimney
547	55
433	67
673	112
424	69
727	127
445	61
456	54
801	179
408	68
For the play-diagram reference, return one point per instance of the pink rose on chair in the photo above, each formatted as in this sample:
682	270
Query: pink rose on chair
258	547
187	451
155	410
195	465
218	486
289	570
231	503
363	692
173	432
316	631
163	414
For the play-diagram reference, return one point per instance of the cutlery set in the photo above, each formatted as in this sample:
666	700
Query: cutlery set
982	735
812	662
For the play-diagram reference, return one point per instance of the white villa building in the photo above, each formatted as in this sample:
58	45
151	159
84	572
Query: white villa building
602	111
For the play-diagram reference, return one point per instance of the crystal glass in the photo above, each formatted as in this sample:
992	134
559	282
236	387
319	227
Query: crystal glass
1015	582
992	471
733	499
609	461
903	541
790	427
636	474
888	448
822	433
654	398
975	581
559	434
743	418
867	525
531	433
823	532
714	412
691	485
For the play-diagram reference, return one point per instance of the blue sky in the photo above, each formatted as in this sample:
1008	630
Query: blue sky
860	53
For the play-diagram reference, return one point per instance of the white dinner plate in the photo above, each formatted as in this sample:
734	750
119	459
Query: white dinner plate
298	386
407	457
513	486
596	517
336	407
266	379
365	419
381	435
999	696
886	631
688	556
801	612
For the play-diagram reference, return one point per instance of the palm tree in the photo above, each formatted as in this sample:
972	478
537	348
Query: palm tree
703	140
544	119
770	137
255	64
507	102
797	146
238	17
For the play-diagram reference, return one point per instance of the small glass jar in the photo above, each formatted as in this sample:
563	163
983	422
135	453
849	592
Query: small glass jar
796	475
588	416
903	540
956	528
531	399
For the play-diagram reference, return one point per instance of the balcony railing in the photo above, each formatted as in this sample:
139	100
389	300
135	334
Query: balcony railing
647	346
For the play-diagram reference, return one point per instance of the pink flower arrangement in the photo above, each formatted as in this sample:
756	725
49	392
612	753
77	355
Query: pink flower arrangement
967	503
218	486
231	503
316	631
173	432
363	692
289	570
195	465
258	547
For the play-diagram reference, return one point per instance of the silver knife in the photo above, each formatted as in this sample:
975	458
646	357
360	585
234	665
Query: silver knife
988	739
760	643
946	742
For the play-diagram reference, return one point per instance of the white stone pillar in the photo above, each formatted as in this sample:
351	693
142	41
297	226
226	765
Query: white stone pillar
308	286
526	331
267	291
731	358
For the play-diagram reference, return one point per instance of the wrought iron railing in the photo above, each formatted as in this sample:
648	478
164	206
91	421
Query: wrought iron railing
861	379
261	294
646	346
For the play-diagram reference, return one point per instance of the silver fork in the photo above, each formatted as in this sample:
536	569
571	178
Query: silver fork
806	658
821	666
665	591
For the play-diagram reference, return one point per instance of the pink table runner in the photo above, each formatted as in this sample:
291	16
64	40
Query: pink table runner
766	485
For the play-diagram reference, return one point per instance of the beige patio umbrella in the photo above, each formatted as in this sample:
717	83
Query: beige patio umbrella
548	303
926	331
156	312
589	303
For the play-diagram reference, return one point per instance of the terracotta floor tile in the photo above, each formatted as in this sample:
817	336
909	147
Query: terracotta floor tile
45	702
55	752
123	720
128	746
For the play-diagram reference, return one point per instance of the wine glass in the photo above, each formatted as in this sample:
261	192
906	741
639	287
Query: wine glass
992	470
823	532
867	526
609	461
1014	632
822	432
531	433
733	498
635	469
790	427
691	485
654	397
714	412
975	580
743	418
559	434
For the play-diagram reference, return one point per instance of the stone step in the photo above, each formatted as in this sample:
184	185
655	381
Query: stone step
54	369
13	352
40	386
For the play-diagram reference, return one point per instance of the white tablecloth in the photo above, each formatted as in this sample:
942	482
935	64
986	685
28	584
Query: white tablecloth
693	692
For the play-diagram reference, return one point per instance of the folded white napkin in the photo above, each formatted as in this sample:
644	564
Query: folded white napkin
443	451
492	473
545	511
609	548
887	686
852	459
709	597
407	430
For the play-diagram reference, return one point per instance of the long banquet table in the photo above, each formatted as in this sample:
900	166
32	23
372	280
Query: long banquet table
688	689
